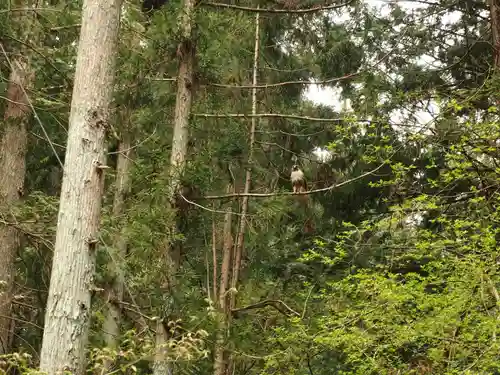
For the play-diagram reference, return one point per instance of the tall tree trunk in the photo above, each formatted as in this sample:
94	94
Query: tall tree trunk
13	146
68	306
495	29
12	172
180	139
112	319
220	364
236	266
248	177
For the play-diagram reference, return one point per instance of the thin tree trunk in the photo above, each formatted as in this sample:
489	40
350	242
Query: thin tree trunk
248	178
68	306
226	255
495	29
224	313
215	274
177	161
12	172
111	324
236	264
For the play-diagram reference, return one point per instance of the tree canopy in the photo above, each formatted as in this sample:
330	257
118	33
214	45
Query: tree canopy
388	264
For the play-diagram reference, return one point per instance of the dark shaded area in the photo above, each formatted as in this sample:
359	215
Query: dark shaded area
150	5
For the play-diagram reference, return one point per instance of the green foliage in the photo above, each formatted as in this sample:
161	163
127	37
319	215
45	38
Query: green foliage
399	273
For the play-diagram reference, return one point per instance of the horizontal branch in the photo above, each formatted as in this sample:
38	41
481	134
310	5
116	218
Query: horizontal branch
169	79
268	85
328	188
279	11
286	83
58	28
265	115
13	10
225	212
277	304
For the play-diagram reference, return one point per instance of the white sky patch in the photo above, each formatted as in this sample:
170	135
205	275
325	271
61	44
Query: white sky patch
322	154
331	97
327	96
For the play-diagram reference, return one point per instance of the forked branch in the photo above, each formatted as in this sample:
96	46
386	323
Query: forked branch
279	305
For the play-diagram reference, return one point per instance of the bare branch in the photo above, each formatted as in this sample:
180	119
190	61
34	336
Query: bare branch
285	83
279	305
30	10
122	305
210	209
279	11
266	115
269	85
58	28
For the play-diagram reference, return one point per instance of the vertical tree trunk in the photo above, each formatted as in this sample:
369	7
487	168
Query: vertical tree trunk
495	29
236	264
177	160
13	145
248	178
220	365
112	319
161	365
68	305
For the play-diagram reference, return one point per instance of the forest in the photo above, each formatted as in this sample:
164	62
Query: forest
253	187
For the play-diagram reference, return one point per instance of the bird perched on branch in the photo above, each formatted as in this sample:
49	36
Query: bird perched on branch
298	180
299	186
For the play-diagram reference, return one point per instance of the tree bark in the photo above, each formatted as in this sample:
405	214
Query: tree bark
68	306
112	319
248	177
177	164
220	364
236	264
495	29
161	365
13	146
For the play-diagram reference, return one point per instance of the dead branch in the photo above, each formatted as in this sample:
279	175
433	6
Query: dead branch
13	10
268	85
279	305
286	83
267	115
280	11
132	312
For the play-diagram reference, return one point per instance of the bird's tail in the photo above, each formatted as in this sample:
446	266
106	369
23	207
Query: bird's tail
303	198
